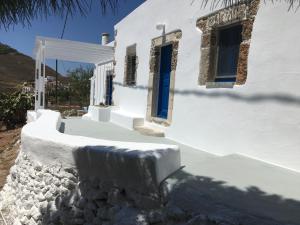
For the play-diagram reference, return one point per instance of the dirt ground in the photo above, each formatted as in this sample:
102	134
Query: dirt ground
9	147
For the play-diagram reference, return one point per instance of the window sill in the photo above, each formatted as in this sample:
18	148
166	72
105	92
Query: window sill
220	84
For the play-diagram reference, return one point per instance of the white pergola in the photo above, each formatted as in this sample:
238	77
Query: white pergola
52	48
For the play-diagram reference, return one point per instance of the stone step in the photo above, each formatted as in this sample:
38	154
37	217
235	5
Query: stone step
149	131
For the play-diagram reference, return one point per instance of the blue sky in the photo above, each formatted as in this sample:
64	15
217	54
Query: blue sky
86	29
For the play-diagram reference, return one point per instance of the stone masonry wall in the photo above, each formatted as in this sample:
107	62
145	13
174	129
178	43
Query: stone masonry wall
48	195
37	194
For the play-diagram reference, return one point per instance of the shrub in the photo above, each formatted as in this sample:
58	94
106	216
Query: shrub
80	84
13	108
68	113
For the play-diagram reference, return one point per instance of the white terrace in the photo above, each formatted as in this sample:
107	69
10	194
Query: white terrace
210	183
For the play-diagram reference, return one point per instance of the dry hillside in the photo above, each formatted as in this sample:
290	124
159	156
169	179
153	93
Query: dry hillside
16	68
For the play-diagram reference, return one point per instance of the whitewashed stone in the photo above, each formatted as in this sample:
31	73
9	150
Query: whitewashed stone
17	222
88	215
78	213
130	216
35	213
198	220
24	220
38	167
81	203
175	213
103	214
49	196
156	216
115	196
40	197
78	221
45	189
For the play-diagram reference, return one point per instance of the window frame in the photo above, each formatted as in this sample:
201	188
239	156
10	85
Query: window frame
130	80
216	61
245	14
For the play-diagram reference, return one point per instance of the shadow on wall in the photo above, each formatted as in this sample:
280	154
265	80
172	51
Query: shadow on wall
89	200
282	98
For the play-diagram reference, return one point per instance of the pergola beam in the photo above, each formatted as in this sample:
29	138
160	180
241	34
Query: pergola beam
51	48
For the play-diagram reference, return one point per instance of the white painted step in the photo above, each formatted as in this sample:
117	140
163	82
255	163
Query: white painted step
125	119
149	131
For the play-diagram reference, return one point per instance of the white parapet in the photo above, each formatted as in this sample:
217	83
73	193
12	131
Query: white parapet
98	113
140	166
31	116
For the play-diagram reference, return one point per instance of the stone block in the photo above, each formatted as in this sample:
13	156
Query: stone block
175	213
204	65
130	216
156	216
242	64
198	220
247	29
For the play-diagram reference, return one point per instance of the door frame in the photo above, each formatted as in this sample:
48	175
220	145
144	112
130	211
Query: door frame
155	58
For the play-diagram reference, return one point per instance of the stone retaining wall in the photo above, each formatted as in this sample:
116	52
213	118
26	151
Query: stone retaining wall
47	195
39	194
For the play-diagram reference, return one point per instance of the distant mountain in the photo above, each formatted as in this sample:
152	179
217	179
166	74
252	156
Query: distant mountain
16	68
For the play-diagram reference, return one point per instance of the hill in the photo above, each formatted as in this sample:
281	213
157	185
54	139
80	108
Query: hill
16	68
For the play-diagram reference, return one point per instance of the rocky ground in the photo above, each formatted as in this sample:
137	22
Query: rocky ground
9	146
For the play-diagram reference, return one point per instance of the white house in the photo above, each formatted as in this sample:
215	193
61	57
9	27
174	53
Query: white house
223	80
218	81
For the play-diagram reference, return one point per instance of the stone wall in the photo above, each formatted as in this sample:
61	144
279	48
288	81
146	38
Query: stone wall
40	194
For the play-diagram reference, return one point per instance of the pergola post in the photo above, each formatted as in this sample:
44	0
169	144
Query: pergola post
36	93
92	92
39	80
43	76
40	74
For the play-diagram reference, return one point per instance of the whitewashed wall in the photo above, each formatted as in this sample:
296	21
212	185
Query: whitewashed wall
260	119
98	81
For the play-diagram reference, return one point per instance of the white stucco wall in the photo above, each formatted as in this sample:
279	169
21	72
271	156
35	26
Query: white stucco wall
260	119
98	82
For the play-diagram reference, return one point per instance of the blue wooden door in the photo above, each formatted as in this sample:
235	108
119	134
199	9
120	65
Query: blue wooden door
164	81
109	90
228	54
